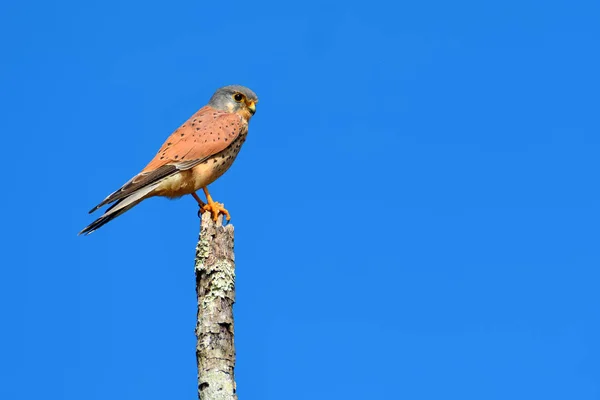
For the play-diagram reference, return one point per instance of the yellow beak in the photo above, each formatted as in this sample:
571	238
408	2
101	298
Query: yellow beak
252	107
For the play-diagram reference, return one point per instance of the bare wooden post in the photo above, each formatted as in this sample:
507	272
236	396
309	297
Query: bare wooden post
215	287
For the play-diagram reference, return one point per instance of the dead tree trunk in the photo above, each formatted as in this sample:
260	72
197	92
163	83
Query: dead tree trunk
215	287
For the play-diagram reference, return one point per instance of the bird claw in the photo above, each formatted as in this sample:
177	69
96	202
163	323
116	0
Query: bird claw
215	209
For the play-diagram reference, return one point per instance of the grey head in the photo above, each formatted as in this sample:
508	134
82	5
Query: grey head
235	98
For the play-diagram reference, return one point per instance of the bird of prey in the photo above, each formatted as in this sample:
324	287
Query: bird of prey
193	157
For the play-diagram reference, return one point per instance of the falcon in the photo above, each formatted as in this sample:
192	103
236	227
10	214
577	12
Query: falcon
193	157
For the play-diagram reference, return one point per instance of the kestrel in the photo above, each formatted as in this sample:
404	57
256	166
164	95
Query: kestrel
193	157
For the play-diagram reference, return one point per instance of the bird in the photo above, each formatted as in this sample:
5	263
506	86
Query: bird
193	156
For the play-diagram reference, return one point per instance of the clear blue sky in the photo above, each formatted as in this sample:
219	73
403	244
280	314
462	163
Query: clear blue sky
416	206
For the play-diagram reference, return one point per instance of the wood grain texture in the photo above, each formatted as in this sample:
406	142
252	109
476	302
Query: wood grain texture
215	288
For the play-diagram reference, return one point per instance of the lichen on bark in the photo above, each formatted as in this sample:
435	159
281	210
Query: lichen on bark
215	288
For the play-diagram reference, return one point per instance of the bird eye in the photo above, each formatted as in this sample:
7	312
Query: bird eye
238	97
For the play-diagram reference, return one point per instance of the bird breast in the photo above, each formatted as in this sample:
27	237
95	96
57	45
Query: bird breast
203	174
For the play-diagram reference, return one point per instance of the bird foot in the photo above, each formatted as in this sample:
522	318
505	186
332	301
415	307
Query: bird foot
215	209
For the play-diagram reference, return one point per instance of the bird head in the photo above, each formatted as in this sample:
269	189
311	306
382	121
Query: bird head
235	99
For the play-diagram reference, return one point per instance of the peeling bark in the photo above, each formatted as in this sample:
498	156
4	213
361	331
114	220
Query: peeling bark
215	288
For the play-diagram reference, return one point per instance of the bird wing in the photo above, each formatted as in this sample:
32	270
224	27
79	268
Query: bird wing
206	133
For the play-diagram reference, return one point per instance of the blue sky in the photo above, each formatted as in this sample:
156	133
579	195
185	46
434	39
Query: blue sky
416	206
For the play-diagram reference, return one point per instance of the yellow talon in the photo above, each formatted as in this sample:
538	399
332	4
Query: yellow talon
214	208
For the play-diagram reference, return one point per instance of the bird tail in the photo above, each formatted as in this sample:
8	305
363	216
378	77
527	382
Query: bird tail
117	209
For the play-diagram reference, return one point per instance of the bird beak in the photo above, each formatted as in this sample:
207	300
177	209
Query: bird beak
252	107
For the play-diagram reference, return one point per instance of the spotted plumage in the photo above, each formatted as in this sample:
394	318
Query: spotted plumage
194	156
